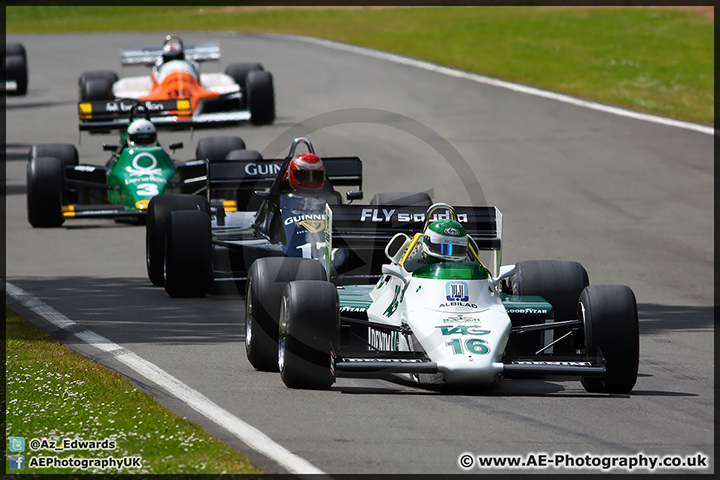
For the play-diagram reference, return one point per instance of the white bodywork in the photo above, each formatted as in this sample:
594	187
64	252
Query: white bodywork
461	325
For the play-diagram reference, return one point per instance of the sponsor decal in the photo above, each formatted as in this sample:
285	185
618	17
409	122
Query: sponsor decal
528	311
308	216
144	170
387	215
541	362
383	340
452	231
383	360
462	330
457	304
347	308
461	319
456	292
84	168
394	303
313	226
126	107
255	169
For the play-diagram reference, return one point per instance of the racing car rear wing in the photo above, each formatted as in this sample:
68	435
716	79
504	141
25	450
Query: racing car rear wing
102	116
371	227
261	173
202	52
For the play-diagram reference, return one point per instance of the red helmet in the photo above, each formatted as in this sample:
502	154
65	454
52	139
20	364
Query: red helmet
306	171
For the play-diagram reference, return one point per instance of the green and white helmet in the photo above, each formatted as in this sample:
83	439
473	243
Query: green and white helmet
445	240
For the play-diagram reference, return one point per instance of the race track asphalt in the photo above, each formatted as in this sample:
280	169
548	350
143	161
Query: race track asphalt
631	200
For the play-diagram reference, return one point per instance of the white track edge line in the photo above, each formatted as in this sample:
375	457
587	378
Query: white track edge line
503	84
248	434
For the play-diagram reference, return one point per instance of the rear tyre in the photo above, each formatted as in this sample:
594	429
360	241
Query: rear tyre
15	49
188	254
16	69
609	313
45	184
159	210
239	71
560	283
217	148
251	155
402	199
309	332
266	281
96	89
261	97
107	75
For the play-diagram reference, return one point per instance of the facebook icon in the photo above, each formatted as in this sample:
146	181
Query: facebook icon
17	462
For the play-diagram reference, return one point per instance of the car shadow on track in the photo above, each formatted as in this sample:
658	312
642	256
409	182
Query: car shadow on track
131	310
655	318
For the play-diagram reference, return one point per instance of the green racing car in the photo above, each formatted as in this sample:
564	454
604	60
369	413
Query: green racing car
59	188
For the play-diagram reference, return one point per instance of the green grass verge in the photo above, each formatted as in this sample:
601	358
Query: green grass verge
658	61
54	393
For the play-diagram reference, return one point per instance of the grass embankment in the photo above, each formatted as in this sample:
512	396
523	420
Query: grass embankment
54	393
657	61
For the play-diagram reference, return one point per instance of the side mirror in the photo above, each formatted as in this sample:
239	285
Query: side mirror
262	193
176	145
356	195
110	148
396	247
395	271
505	272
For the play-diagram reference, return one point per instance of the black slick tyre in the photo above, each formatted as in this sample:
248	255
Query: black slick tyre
108	75
266	281
159	210
239	71
65	152
16	69
609	314
188	254
96	89
217	148
560	283
309	333
402	199
261	97
45	185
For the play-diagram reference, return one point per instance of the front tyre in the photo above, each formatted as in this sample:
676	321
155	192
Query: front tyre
45	185
266	282
261	97
188	254
609	314
158	213
309	333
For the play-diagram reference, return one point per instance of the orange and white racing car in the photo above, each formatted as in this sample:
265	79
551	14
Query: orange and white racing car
175	93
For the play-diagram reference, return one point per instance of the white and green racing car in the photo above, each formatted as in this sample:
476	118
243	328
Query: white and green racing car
442	319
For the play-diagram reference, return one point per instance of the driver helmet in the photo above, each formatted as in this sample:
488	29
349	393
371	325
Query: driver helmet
306	171
142	132
445	240
172	49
